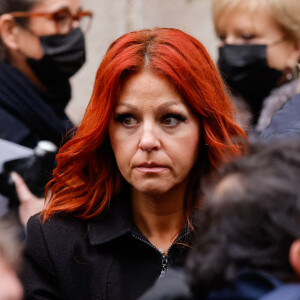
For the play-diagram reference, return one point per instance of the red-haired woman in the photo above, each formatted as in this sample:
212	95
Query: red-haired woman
126	185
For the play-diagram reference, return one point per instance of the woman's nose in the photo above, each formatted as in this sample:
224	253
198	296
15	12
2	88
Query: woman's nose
149	140
75	24
230	40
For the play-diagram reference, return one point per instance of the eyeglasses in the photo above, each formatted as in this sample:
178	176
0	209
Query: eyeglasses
63	18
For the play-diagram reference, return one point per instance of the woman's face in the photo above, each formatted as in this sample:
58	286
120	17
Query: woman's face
154	135
28	40
245	26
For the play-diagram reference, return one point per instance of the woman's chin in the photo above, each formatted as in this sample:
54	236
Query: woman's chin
152	190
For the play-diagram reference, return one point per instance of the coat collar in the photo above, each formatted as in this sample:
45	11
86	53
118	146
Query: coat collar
115	221
274	102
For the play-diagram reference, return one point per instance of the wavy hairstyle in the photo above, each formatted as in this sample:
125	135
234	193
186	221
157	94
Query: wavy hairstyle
87	176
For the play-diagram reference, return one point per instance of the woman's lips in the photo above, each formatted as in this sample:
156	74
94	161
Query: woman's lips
150	168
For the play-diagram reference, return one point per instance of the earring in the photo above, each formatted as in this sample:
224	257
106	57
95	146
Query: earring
293	72
298	68
289	76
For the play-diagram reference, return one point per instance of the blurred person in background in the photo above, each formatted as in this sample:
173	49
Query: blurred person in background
41	46
248	238
10	259
258	55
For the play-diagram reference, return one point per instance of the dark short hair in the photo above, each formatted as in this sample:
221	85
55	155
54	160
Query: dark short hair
250	217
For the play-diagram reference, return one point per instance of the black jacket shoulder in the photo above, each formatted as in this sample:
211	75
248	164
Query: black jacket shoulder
14	130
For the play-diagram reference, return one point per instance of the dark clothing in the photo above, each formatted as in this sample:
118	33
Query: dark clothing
248	286
172	287
285	122
285	291
29	114
106	258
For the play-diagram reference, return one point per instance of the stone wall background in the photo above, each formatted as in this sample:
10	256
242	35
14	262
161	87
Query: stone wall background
112	18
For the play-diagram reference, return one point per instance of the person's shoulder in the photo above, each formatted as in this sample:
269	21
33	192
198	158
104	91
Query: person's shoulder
285	122
12	128
286	291
60	226
292	107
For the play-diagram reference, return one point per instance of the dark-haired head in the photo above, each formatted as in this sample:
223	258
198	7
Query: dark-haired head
250	218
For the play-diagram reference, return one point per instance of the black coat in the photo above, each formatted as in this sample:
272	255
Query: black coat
285	123
106	258
29	114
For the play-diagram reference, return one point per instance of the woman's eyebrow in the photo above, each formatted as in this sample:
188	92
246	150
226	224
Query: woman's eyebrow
59	6
161	106
127	105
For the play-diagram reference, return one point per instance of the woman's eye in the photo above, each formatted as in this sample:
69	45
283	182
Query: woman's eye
222	37
248	36
172	120
126	120
62	16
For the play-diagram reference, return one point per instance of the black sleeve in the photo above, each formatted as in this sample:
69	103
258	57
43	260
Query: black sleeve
37	273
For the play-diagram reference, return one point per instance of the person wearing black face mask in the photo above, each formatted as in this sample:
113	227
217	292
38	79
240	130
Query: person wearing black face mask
258	53
41	46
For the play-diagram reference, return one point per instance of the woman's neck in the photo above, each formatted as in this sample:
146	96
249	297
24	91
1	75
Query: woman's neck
159	218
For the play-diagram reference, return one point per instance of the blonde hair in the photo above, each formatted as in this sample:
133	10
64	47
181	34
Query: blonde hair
285	13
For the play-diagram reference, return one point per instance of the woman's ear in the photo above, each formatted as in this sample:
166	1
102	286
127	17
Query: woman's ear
9	31
295	256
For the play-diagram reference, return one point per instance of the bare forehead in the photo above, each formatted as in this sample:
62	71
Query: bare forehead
148	84
53	5
149	93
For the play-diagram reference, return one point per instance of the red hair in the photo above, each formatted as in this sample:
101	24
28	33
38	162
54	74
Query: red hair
87	176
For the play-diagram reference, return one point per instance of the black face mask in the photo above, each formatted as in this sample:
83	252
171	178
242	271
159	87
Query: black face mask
63	57
245	70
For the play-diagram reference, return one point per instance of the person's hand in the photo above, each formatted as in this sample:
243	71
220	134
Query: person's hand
29	203
10	286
